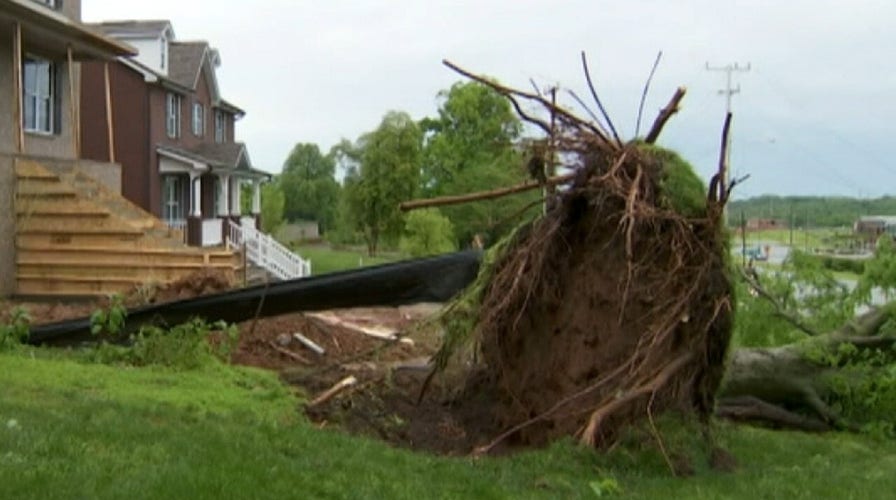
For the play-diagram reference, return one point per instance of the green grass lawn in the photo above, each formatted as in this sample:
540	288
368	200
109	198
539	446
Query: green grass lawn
75	430
325	259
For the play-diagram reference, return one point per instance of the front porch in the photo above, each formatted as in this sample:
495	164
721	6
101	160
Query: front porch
200	200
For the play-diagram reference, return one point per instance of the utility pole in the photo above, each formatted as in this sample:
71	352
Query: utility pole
791	225
728	92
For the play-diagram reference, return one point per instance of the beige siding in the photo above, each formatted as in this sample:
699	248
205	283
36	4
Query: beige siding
7	129
7	226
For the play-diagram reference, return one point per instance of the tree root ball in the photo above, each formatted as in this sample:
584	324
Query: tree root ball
613	307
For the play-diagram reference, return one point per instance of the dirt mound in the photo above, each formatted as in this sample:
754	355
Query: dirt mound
383	403
205	281
47	312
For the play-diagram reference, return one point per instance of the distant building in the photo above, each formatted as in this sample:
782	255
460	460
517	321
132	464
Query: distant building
760	224
871	227
299	231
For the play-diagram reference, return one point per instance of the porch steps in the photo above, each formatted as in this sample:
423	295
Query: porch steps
75	237
152	273
257	275
114	203
59	207
136	256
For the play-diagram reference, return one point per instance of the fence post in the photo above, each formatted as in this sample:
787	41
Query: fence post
245	266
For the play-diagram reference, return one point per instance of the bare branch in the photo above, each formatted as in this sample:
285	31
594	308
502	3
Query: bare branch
584	106
509	92
664	115
535	87
723	160
483	195
600	105
780	311
656	63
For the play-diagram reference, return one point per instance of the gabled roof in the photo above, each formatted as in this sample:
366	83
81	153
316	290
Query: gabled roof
882	219
186	60
53	31
152	76
228	106
132	28
226	157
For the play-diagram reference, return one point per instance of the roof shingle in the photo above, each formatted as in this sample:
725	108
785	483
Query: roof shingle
185	61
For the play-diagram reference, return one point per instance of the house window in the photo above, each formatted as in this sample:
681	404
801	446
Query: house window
198	119
219	197
49	3
173	116
173	187
220	126
38	95
163	53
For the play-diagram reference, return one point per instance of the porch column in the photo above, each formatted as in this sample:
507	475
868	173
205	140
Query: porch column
235	205
18	99
110	127
194	220
74	104
256	197
224	209
196	198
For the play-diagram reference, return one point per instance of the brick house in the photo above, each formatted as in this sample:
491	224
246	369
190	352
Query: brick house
173	133
763	224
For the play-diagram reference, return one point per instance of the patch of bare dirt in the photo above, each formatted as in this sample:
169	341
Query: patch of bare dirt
205	281
47	312
390	373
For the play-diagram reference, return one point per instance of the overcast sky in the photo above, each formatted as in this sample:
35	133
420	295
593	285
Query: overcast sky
814	115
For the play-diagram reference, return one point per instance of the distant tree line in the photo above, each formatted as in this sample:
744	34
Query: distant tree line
811	211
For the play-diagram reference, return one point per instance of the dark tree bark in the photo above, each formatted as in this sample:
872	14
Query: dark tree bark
783	386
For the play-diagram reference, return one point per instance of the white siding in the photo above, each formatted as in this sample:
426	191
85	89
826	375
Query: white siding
150	52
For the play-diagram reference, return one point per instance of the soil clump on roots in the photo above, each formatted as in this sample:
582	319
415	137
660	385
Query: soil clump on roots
613	307
607	309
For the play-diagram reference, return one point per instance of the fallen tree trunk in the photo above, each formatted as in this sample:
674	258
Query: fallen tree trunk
804	385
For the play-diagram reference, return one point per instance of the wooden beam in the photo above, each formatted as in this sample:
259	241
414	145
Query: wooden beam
484	195
109	124
75	118
19	126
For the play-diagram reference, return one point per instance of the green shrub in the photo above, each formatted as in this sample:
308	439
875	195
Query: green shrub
110	320
13	334
840	264
427	232
187	346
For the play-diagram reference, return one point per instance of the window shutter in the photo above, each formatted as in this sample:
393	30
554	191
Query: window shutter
56	91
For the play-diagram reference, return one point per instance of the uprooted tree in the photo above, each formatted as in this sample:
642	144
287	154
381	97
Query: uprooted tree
617	304
613	306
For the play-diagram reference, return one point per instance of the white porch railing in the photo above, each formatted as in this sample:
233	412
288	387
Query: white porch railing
212	232
265	251
179	224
